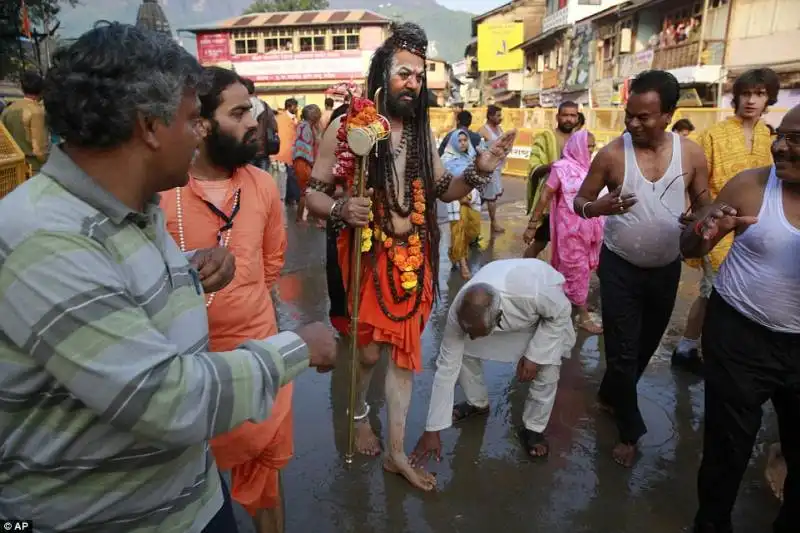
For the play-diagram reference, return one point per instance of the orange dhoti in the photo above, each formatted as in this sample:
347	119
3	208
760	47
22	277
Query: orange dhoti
302	170
255	453
404	336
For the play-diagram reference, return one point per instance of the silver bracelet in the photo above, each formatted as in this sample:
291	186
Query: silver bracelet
363	415
583	209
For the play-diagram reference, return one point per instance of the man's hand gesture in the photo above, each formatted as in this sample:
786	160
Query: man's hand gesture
216	267
721	218
613	203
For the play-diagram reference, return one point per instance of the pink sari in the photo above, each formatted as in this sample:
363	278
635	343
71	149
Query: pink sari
575	241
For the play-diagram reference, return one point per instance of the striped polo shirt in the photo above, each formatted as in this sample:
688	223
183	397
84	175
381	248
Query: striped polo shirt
108	395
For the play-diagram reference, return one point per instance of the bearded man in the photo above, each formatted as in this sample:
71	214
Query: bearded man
235	205
546	150
102	314
405	177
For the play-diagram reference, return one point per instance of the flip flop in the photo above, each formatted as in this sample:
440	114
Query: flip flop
591	327
531	439
465	410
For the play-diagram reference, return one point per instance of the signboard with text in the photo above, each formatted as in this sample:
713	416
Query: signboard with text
303	66
213	48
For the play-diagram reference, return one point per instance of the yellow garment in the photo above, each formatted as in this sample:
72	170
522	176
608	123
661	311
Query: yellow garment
727	156
463	232
458	244
472	223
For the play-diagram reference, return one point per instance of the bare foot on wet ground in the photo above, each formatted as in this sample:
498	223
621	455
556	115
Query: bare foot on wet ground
776	470
418	477
366	441
625	454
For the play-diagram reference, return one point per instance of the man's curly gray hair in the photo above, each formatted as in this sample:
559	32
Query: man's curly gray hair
110	76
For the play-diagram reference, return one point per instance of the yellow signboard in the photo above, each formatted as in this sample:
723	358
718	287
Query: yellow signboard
494	44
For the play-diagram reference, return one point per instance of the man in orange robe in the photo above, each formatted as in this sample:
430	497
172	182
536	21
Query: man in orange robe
401	237
232	204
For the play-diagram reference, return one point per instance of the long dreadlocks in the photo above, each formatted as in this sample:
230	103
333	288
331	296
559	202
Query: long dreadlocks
406	36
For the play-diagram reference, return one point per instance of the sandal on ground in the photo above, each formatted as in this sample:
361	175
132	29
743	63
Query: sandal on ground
464	410
531	439
591	327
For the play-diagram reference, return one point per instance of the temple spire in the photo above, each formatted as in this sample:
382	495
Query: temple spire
151	17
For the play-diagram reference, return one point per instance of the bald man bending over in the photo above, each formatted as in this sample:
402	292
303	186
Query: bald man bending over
513	311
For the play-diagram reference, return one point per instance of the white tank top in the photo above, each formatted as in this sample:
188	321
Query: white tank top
494	136
761	274
648	235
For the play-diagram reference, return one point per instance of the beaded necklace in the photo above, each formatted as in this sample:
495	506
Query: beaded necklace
223	238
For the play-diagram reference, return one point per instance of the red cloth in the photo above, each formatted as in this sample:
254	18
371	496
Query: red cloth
373	325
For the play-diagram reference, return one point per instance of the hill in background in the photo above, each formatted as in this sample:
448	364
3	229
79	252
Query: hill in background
448	30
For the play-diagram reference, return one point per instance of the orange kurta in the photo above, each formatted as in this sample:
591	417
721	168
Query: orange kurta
405	336
243	310
286	131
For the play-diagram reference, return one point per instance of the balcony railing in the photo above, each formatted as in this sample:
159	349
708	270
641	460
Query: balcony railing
685	55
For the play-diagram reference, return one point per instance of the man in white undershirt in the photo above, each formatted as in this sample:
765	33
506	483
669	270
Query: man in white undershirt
513	311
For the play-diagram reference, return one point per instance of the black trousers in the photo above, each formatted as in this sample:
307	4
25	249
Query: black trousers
336	291
224	521
636	306
745	365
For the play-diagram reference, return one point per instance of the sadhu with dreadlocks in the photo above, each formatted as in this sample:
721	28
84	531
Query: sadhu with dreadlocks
400	270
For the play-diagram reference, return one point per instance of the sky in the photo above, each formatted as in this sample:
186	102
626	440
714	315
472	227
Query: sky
473	6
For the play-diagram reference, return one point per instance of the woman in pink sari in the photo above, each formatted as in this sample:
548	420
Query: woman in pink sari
575	242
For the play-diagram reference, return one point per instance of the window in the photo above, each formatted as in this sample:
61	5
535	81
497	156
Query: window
245	42
278	44
312	39
345	38
278	40
431	67
312	44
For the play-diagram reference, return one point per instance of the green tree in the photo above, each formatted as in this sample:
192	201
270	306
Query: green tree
15	55
266	6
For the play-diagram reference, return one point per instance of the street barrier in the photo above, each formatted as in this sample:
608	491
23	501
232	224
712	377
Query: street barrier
13	168
604	123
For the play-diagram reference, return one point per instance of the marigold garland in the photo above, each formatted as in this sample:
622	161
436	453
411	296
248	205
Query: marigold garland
407	256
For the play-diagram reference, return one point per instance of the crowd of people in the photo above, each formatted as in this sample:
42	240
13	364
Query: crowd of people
141	356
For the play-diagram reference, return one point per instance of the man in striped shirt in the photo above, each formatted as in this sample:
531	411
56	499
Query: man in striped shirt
108	393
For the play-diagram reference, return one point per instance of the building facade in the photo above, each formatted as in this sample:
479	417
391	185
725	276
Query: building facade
439	75
765	33
501	84
297	54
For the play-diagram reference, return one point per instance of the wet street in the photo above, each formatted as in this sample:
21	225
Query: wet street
485	480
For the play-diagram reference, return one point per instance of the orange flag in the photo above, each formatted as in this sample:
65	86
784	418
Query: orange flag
26	20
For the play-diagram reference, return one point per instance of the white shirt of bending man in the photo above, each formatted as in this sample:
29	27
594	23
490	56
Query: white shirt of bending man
529	317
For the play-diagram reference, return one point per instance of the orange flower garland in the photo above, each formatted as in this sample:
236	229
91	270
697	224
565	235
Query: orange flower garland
408	258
